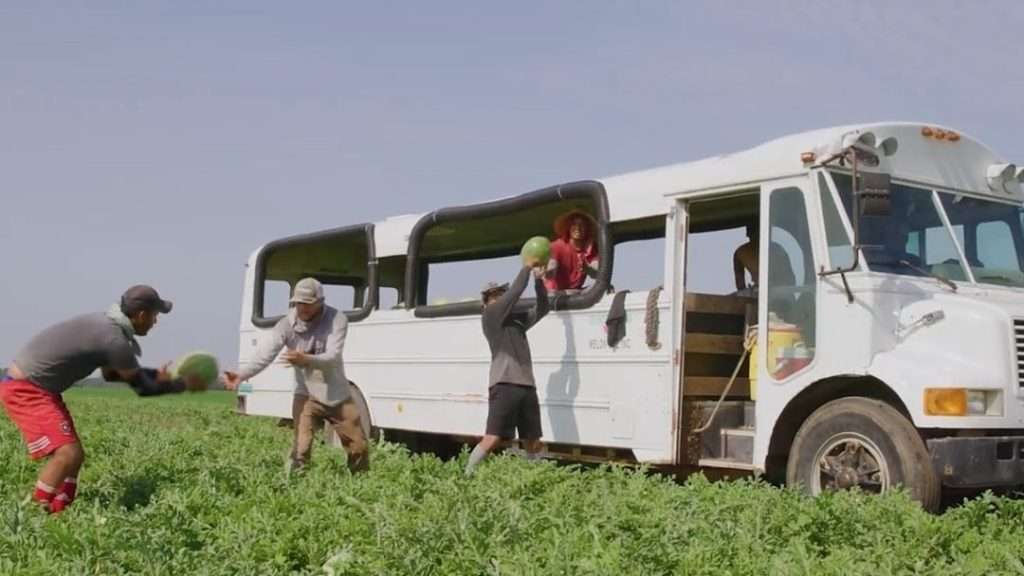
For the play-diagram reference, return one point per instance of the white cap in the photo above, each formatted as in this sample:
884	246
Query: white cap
308	291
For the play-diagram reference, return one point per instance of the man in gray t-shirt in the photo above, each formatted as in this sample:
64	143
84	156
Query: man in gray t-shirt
512	393
56	358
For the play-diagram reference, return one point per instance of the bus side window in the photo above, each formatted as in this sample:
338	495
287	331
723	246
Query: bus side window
638	253
453	251
639	265
389	298
276	294
792	285
342	296
840	249
459	282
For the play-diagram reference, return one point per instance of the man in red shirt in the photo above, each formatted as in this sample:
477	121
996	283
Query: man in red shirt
573	253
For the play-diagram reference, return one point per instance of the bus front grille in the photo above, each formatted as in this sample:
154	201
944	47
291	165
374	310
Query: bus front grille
1018	336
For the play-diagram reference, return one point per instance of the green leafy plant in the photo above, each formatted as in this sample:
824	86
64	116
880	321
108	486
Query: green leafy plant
181	485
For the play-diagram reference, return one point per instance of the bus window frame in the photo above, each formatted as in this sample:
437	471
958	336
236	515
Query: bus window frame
369	287
416	272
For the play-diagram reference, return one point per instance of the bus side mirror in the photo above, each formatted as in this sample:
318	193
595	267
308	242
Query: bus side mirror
871	197
873	194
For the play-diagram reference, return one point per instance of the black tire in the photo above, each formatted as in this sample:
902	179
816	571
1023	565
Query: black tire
862	442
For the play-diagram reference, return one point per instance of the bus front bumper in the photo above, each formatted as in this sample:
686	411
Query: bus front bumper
978	462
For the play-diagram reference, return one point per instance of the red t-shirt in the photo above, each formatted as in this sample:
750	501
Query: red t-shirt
571	273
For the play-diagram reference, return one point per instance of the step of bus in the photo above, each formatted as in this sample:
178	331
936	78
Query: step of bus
725	463
738	444
730	415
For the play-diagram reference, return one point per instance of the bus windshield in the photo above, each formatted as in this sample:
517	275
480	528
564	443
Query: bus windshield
990	233
914	240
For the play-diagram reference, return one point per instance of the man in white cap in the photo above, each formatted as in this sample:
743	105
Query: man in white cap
314	335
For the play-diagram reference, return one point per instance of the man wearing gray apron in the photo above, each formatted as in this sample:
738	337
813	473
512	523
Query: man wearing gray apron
313	336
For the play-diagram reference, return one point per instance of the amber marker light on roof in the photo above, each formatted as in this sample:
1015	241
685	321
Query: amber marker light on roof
939	134
807	157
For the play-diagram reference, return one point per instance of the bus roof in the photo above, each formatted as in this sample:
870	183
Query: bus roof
959	163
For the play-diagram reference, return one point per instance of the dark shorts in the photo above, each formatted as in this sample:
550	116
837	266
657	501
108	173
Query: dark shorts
511	407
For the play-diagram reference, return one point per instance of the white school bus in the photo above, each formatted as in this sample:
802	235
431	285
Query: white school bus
884	321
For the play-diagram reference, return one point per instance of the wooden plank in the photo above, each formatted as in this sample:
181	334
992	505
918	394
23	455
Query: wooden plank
705	323
713	344
711	364
717	304
713	386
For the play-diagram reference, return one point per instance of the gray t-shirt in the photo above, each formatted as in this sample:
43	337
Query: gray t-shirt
505	331
67	352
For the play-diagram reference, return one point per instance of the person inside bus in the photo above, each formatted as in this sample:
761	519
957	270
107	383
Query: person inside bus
744	260
891	255
896	243
573	253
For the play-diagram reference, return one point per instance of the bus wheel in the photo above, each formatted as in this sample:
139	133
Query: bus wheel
864	443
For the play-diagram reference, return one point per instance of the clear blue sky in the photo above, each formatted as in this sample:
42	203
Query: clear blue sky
162	142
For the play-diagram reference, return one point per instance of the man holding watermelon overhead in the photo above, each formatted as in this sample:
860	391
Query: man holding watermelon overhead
573	253
66	353
512	393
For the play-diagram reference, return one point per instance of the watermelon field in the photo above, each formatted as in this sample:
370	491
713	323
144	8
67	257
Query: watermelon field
182	485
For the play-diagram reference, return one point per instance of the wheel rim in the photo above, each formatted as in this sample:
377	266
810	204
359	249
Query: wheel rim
849	460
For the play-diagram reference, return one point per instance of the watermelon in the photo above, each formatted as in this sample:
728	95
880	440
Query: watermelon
536	251
199	365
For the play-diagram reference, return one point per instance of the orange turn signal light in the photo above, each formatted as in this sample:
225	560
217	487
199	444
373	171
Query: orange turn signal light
945	401
939	134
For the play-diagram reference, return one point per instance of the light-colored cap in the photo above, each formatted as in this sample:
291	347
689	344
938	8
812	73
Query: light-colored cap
490	287
308	291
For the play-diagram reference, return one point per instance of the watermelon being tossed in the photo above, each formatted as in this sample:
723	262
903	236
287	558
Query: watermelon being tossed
536	251
199	370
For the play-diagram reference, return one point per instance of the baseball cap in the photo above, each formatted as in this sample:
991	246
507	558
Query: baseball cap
143	298
307	291
492	287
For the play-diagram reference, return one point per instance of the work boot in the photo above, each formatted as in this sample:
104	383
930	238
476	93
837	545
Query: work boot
293	467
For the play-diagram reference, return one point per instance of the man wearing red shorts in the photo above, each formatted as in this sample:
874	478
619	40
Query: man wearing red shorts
63	354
